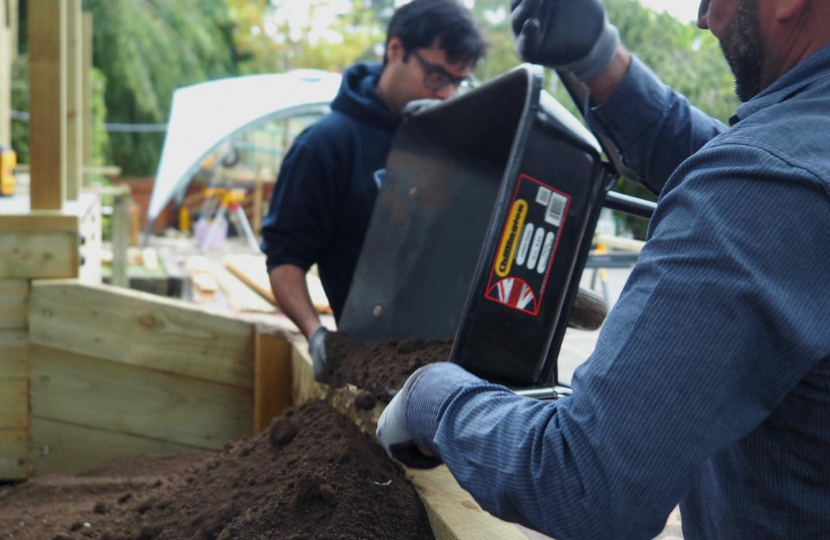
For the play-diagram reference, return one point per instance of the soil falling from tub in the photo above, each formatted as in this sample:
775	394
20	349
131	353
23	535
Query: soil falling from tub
383	368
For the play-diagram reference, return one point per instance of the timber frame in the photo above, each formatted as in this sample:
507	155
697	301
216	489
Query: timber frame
90	372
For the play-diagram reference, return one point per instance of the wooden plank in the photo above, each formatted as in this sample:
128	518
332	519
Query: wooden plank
140	329
256	211
14	403
135	401
14	454
61	447
14	354
38	255
47	96
120	236
74	100
14	303
251	270
303	385
240	296
452	512
13	21
272	378
21	220
90	234
5	81
86	70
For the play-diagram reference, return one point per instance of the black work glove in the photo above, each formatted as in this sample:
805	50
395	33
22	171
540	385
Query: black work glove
317	350
571	35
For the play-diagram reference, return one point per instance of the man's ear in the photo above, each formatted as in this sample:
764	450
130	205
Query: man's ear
394	50
785	10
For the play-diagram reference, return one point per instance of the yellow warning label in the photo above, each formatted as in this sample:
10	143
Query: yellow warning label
510	238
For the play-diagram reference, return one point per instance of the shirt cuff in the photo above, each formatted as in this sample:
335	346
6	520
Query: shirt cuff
627	123
429	397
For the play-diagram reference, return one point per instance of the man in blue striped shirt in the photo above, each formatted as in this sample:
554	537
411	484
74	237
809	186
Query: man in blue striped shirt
710	383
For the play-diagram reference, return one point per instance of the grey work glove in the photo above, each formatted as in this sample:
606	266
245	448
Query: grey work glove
394	436
571	35
317	350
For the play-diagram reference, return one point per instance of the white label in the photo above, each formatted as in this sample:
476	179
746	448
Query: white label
556	208
543	196
536	248
521	255
545	257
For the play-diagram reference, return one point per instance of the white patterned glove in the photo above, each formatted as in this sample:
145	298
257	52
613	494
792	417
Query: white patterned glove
394	436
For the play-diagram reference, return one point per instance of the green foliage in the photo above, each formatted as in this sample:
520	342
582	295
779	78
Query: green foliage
20	102
147	49
100	137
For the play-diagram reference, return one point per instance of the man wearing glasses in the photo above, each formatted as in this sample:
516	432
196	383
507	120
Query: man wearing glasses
326	188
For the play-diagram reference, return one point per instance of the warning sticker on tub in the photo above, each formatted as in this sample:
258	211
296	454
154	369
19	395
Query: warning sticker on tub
528	245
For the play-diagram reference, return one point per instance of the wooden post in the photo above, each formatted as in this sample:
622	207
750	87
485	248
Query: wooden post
256	211
47	95
272	378
13	21
5	77
120	236
74	101
87	87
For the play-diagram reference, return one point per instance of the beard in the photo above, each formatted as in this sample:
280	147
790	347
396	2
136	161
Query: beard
744	50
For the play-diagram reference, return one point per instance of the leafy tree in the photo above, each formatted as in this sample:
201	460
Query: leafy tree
20	102
147	49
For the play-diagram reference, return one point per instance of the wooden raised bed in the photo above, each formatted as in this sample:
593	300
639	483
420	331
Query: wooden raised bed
102	373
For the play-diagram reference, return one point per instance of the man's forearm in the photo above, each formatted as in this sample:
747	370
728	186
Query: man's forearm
290	289
606	84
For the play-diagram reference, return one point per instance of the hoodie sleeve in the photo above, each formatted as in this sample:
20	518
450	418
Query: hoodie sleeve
303	211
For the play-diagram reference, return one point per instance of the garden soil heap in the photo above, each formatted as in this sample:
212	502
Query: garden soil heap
313	475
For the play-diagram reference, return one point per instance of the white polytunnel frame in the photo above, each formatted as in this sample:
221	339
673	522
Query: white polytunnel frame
205	115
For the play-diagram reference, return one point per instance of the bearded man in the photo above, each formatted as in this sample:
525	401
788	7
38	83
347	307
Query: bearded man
710	383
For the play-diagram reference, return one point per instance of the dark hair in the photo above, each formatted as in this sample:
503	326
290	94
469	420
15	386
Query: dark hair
418	23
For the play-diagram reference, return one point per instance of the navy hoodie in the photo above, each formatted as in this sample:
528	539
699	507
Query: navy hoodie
325	191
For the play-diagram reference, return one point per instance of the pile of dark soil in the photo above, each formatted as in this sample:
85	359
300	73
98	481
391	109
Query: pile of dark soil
311	476
383	368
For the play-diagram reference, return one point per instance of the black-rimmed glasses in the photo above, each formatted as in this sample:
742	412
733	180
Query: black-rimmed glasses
436	77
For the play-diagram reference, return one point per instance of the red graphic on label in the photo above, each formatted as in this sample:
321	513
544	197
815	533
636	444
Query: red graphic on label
522	265
515	293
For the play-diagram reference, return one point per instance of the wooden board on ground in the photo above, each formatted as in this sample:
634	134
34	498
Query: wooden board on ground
130	400
14	303
251	270
452	512
141	329
63	447
240	296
